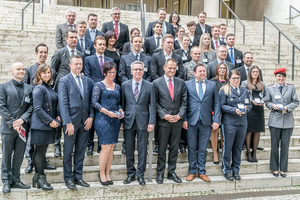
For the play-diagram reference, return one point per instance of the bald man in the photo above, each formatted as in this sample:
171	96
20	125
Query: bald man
15	109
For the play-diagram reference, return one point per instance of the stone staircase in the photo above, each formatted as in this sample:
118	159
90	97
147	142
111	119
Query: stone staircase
17	45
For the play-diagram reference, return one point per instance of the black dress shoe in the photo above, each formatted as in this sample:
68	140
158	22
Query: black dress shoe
99	149
71	185
29	168
244	147
141	181
182	150
124	151
283	175
48	166
236	176
275	174
260	148
129	179
81	183
174	178
110	182
6	188
160	179
89	151
229	177
155	149
57	152
20	185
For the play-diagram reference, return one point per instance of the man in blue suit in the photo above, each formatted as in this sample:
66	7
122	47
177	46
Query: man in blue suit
202	99
85	45
77	114
92	32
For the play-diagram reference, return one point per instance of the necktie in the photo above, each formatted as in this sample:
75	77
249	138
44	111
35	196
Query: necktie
217	44
171	89
200	94
223	39
80	86
72	52
81	45
136	92
101	63
280	89
231	55
71	26
164	29
93	35
157	42
117	31
137	57
247	71
237	91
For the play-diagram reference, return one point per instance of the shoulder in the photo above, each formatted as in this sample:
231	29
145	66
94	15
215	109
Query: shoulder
126	83
240	68
179	80
290	85
106	23
156	81
244	82
210	82
147	82
271	86
123	24
60	25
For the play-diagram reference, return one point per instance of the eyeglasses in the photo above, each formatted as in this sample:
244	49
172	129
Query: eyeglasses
254	72
116	13
114	72
222	51
222	68
235	78
139	69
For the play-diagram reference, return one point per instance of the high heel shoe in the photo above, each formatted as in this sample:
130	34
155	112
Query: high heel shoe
253	154
106	183
215	162
249	157
35	179
42	183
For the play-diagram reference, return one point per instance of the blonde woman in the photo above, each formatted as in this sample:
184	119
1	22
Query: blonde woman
207	53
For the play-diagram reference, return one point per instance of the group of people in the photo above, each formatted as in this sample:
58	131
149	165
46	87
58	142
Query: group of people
100	81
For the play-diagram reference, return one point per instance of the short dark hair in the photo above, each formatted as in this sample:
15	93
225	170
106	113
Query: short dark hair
75	56
202	12
162	8
171	16
215	26
191	23
223	25
40	45
71	31
108	35
38	79
154	24
134	29
248	52
199	65
229	35
136	36
99	37
107	66
92	15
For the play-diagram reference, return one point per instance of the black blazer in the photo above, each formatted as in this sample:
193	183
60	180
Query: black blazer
158	61
199	29
125	68
219	85
150	31
196	41
88	35
213	46
238	56
176	45
127	48
188	58
244	74
150	45
123	36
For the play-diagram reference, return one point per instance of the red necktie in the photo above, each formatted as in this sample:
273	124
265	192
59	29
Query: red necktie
171	89
117	31
217	44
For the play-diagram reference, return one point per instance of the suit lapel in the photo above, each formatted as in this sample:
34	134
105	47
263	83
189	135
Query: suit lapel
74	83
195	89
153	41
85	86
165	86
131	56
175	86
206	89
141	90
67	53
14	90
66	26
97	65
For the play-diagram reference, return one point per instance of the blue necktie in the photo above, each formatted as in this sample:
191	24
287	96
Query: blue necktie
80	86
200	94
231	56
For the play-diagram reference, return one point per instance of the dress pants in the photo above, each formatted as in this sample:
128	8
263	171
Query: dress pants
13	148
91	138
183	138
57	137
156	134
283	136
233	136
142	141
198	138
29	148
80	140
168	134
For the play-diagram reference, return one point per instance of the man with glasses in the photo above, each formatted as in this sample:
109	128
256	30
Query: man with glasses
120	29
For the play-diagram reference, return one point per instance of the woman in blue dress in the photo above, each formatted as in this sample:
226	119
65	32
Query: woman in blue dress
106	101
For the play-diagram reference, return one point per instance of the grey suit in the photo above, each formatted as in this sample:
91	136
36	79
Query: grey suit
281	123
211	68
12	109
61	34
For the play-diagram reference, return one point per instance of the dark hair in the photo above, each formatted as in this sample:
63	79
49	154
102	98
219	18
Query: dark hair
75	56
191	23
250	84
201	12
134	29
136	36
107	66
71	31
248	52
171	16
199	65
38	79
217	71
108	35
229	35
99	37
40	45
162	8
234	71
154	24
92	15
178	28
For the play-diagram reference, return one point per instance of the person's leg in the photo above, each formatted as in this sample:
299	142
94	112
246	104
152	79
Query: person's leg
175	134
17	159
247	141
284	151
109	161
221	137
7	149
274	156
229	132
214	144
91	139
69	141
192	148
102	160
203	139
130	143
29	153
142	141
57	147
255	144
183	140
39	159
237	148
163	140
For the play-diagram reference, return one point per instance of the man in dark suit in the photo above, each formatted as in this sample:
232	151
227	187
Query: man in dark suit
194	38
167	28
154	42
248	60
77	114
201	26
92	32
15	109
62	29
234	55
60	62
215	39
85	45
171	99
139	105
203	97
221	56
223	31
120	29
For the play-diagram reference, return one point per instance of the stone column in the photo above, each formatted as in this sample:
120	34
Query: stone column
211	7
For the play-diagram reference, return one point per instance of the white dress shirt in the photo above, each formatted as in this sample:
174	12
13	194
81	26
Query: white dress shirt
246	69
69	49
166	55
203	86
214	41
118	27
92	33
167	81
76	79
160	39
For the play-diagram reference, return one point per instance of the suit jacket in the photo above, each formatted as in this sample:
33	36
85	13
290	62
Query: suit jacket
92	67
218	84
158	61
88	47
75	108
60	63
125	68
10	109
188	58
210	102
211	68
150	31
288	98
123	36
238	57
244	76
196	41
199	29
150	45
88	35
127	48
165	104
30	74
61	34
213	45
143	110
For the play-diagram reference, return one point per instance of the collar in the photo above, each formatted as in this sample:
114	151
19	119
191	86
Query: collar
80	37
16	83
37	64
234	87
228	47
91	30
280	85
202	26
203	81
69	49
75	75
246	67
134	82
116	22
219	61
139	54
71	24
155	36
167	79
100	55
193	63
166	55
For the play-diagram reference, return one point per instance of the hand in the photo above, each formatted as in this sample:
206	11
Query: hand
239	112
111	114
173	119
285	108
168	117
88	123
122	114
70	129
122	127
215	126
54	124
16	128
185	125
58	118
275	107
150	127
255	103
18	123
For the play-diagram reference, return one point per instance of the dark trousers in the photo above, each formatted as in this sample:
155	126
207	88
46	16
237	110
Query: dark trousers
156	134
142	141
233	136
183	138
29	148
198	138
91	138
80	140
169	134
57	138
283	136
13	148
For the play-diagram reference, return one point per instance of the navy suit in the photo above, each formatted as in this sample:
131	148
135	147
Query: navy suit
88	35
150	45
213	45
88	47
235	127
238	58
75	109
150	31
199	130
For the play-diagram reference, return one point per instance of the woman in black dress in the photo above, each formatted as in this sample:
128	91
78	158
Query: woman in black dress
45	120
174	19
256	118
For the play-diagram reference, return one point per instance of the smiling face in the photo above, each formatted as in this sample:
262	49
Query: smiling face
280	79
111	74
137	72
46	75
235	80
116	15
112	41
174	18
200	73
92	22
100	46
72	40
137	44
157	29
76	66
81	29
161	15
202	18
42	54
196	54
255	73
222	70
215	33
230	41
222	53
70	17
248	59
17	70
170	69
186	41
180	32
206	40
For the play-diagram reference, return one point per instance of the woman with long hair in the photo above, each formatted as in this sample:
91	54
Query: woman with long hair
207	53
174	19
